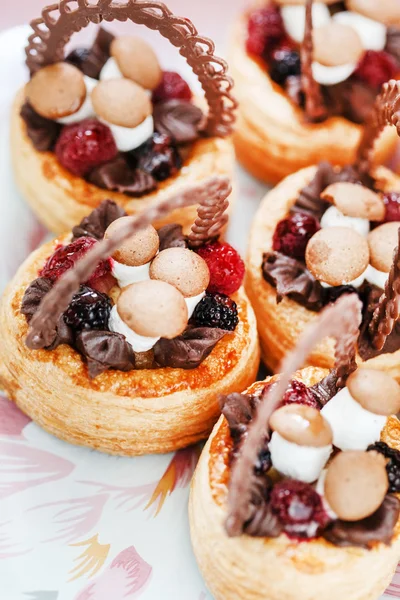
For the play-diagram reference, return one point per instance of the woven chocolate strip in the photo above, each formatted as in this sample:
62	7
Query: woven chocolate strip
340	321
211	216
386	111
44	322
60	21
314	107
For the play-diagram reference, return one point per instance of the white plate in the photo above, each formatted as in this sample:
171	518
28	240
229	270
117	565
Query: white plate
76	524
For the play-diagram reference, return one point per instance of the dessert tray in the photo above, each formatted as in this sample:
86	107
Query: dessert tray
76	524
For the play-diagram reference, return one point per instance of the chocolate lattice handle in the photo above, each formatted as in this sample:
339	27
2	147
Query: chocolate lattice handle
59	22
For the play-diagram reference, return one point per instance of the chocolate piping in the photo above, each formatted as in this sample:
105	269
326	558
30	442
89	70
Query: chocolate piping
211	217
43	323
386	111
388	310
314	108
340	321
58	22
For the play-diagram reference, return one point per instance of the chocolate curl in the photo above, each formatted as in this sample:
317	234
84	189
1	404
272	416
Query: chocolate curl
386	111
340	321
211	216
314	107
44	322
388	310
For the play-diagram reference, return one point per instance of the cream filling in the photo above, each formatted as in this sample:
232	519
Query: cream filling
86	110
333	217
138	342
354	282
111	70
129	138
294	18
332	75
298	462
353	427
371	33
127	274
192	302
376	277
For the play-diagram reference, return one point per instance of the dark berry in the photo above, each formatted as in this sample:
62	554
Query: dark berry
159	157
65	257
299	393
88	309
225	266
78	56
392	206
171	86
265	29
376	67
216	310
264	462
299	508
85	145
292	234
392	466
284	63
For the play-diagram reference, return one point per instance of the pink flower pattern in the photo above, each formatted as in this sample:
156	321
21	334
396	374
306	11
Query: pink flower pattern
12	421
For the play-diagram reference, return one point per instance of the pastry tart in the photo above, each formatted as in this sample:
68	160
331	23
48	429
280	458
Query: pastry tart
305	86
274	513
322	232
106	122
132	360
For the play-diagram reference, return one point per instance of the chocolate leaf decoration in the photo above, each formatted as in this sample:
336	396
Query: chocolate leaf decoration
291	278
393	42
187	351
262	522
379	527
96	223
105	350
325	389
351	99
117	176
64	335
371	295
171	236
179	119
238	410
91	60
34	294
42	132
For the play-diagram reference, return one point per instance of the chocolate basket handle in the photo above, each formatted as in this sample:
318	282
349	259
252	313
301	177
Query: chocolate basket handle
53	30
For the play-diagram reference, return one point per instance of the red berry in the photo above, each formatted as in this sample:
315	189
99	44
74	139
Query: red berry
85	145
172	86
299	508
65	257
292	234
265	29
226	268
377	67
392	206
299	393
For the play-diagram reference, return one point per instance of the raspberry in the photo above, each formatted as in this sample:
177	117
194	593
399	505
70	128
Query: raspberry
284	63
299	393
292	234
158	157
216	310
299	508
265	29
225	265
88	309
392	206
392	466
85	145
171	86
65	257
376	67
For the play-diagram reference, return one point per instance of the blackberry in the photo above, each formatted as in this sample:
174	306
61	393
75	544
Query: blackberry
88	310
284	63
159	157
216	310
393	465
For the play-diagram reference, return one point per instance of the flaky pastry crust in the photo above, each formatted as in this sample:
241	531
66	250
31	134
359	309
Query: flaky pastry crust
61	199
251	568
280	325
272	139
139	412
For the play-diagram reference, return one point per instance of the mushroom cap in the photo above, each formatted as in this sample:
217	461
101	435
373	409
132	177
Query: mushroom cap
137	61
375	391
382	242
337	255
384	11
182	268
56	91
302	425
337	44
355	200
137	250
356	484
153	309
121	102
